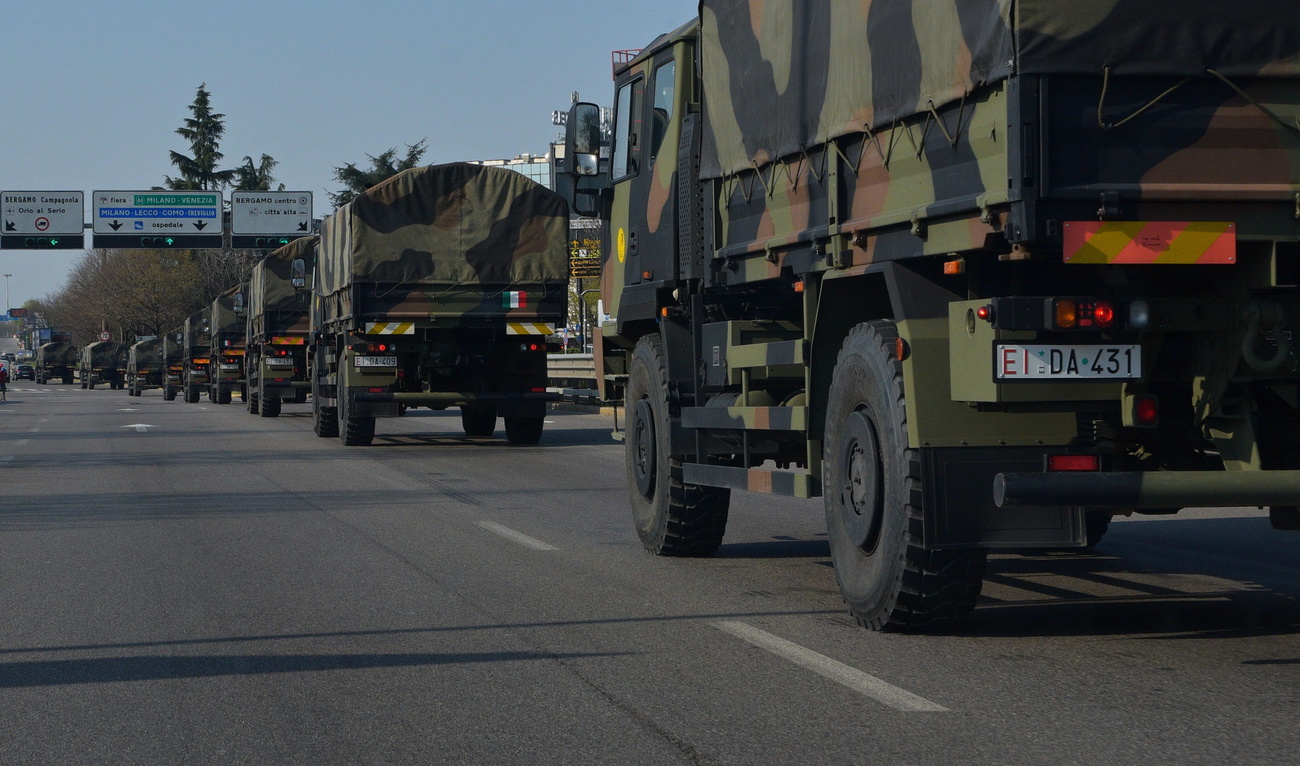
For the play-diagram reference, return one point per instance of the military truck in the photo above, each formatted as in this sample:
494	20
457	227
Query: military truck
275	359
196	354
173	352
144	366
438	288
102	362
226	372
977	274
56	359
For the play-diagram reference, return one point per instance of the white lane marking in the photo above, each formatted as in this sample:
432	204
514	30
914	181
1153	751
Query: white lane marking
43	420
21	442
140	427
6	459
519	537
847	675
37	429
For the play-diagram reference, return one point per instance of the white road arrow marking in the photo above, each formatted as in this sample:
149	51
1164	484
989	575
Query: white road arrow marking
127	410
140	427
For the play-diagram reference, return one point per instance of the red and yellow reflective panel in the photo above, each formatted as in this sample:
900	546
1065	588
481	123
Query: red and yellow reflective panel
284	340
1157	242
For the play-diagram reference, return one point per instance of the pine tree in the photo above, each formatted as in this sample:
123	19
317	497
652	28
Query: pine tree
356	180
203	130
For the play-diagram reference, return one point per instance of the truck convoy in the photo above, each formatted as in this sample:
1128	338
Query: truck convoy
226	369
197	346
275	359
144	366
977	274
173	350
102	362
438	288
56	359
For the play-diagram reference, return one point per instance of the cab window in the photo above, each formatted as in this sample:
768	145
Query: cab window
627	129
665	87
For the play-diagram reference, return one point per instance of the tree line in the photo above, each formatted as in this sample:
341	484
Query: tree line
135	293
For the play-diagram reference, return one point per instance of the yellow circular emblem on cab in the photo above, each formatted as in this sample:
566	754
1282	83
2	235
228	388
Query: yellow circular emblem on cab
622	245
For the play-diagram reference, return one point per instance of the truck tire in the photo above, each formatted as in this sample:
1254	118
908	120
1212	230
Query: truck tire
354	431
524	431
67	380
169	394
300	396
875	515
479	420
251	402
270	406
324	419
225	395
191	396
672	518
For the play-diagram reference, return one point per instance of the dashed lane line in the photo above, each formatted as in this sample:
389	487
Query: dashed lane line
519	537
846	675
21	442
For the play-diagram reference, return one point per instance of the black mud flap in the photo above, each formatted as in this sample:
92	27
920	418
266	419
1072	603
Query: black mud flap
960	511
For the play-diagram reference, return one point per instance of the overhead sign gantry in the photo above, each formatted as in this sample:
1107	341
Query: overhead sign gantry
157	219
266	220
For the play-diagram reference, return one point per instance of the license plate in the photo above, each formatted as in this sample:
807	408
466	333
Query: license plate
1014	361
279	362
376	361
229	367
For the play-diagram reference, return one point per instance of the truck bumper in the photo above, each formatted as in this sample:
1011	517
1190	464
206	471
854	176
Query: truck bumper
1149	489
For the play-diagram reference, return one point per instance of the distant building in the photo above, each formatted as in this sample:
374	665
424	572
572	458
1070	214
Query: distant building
537	167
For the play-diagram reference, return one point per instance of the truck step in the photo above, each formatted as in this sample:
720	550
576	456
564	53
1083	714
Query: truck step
747	418
787	483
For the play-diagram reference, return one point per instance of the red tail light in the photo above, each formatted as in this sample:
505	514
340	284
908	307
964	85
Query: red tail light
1146	411
1073	462
1103	314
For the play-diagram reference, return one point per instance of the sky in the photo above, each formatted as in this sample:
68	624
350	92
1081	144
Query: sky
91	92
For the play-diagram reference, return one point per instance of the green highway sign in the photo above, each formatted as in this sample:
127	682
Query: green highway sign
156	219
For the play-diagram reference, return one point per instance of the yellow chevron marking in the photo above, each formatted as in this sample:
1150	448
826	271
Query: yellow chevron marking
390	328
529	328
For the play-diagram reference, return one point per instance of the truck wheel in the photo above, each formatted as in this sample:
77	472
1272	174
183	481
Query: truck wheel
672	518
191	396
354	431
251	402
874	509
524	431
480	420
300	396
67	380
169	394
270	407
324	419
224	396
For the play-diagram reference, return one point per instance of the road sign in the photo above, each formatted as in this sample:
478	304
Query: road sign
106	335
42	219
17	313
268	219
157	219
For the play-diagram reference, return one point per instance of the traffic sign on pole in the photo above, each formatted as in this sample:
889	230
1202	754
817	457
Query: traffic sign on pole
42	220
157	219
267	220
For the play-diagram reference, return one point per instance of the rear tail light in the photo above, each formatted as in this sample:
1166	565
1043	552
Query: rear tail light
1074	462
376	390
1146	411
1066	314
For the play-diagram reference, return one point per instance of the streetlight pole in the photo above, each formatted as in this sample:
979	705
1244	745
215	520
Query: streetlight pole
7	293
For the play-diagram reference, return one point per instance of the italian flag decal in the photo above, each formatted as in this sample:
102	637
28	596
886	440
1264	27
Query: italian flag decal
514	299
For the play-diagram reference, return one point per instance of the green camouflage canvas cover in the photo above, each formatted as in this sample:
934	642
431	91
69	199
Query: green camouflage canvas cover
270	287
56	353
104	354
198	335
224	318
783	77
146	353
455	225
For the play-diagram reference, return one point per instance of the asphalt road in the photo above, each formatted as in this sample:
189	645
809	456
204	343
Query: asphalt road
186	583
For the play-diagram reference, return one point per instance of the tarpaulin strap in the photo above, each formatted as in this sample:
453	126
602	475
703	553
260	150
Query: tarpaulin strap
955	136
1101	103
1272	115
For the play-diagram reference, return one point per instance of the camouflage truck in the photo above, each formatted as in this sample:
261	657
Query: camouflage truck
228	341
196	353
144	366
173	352
56	359
978	274
102	362
275	359
438	288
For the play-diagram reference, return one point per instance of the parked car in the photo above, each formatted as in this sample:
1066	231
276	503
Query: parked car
24	372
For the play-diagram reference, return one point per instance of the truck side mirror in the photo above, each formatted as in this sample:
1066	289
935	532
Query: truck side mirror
298	273
582	139
239	303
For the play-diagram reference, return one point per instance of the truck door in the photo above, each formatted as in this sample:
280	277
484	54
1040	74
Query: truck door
643	221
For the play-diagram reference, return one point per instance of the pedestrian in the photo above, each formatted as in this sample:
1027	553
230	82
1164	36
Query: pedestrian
4	380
